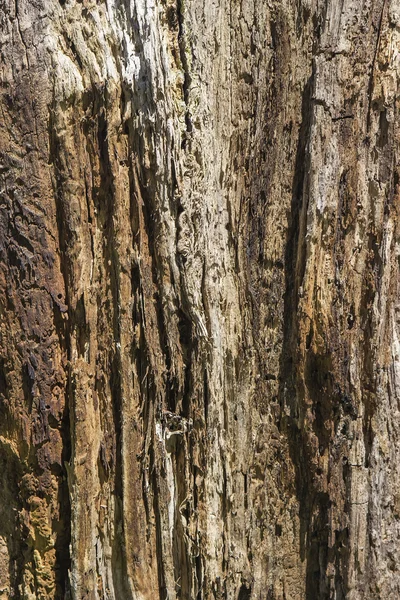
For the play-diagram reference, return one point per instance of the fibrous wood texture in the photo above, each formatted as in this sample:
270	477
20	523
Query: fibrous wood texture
199	252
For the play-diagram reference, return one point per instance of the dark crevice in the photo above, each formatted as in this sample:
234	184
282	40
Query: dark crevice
73	49
244	592
63	527
373	65
187	390
106	200
81	327
182	40
313	506
199	577
159	534
206	395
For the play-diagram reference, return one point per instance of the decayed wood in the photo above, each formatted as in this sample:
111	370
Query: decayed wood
199	250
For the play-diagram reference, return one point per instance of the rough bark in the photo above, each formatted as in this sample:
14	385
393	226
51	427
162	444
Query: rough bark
199	252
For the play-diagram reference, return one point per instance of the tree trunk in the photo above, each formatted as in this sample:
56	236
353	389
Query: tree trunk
200	355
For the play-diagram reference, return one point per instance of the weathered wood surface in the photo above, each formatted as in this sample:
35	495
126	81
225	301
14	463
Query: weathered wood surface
199	252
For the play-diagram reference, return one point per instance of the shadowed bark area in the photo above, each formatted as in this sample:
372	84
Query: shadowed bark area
199	307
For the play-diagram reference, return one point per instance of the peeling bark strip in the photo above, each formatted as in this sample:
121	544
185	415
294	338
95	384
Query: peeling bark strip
200	332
